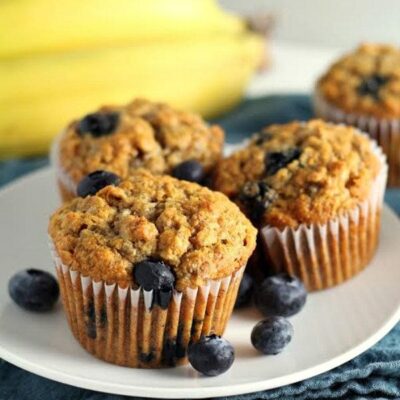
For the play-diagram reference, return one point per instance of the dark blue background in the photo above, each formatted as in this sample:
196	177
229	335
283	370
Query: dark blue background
374	374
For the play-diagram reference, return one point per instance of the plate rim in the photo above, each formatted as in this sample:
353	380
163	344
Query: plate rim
198	392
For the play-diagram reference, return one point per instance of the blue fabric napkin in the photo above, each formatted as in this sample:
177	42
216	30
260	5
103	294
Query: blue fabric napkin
374	374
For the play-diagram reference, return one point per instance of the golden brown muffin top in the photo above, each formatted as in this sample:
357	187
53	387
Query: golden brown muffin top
365	82
299	173
199	233
144	135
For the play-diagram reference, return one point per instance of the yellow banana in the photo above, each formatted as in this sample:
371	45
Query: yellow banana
61	59
41	94
38	26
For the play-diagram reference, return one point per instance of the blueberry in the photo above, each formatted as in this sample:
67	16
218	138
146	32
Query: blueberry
190	170
91	329
34	290
272	335
256	197
371	85
173	351
281	294
156	276
211	355
245	291
95	181
146	357
262	137
98	124
275	161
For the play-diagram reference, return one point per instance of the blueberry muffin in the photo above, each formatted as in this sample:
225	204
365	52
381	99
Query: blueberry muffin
314	190
363	89
147	265
141	134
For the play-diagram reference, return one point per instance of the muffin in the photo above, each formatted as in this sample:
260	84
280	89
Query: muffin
315	192
147	266
141	134
363	89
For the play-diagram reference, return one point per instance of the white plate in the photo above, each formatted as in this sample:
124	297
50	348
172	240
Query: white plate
335	326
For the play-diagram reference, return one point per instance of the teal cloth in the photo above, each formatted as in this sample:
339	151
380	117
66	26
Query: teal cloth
374	374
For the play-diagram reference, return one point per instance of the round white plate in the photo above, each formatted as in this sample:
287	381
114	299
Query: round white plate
335	326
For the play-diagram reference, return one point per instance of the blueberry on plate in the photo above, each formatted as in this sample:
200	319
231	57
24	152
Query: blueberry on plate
280	294
245	293
95	181
98	124
211	355
156	276
34	290
272	335
190	170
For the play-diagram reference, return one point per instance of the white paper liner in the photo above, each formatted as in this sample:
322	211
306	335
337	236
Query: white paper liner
63	178
324	255
119	325
385	131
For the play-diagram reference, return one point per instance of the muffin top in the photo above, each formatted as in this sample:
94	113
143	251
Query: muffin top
141	134
365	82
198	233
299	173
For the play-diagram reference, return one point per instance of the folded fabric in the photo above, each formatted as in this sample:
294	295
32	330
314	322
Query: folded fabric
374	374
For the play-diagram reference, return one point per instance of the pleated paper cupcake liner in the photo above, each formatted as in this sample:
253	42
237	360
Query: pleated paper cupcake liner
123	326
66	186
325	255
385	131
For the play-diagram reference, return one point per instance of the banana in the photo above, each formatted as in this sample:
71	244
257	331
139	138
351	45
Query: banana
62	59
42	26
40	94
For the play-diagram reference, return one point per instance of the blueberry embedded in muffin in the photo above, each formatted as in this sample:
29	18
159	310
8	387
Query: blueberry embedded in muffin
98	124
276	160
95	181
256	197
190	170
156	276
371	85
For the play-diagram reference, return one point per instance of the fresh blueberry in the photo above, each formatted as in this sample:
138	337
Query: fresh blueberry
280	294
190	170
245	291
274	161
256	198
211	355
272	335
95	181
156	276
98	124
34	290
371	85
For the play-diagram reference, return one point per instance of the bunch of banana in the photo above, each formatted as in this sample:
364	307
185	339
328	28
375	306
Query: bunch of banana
61	59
